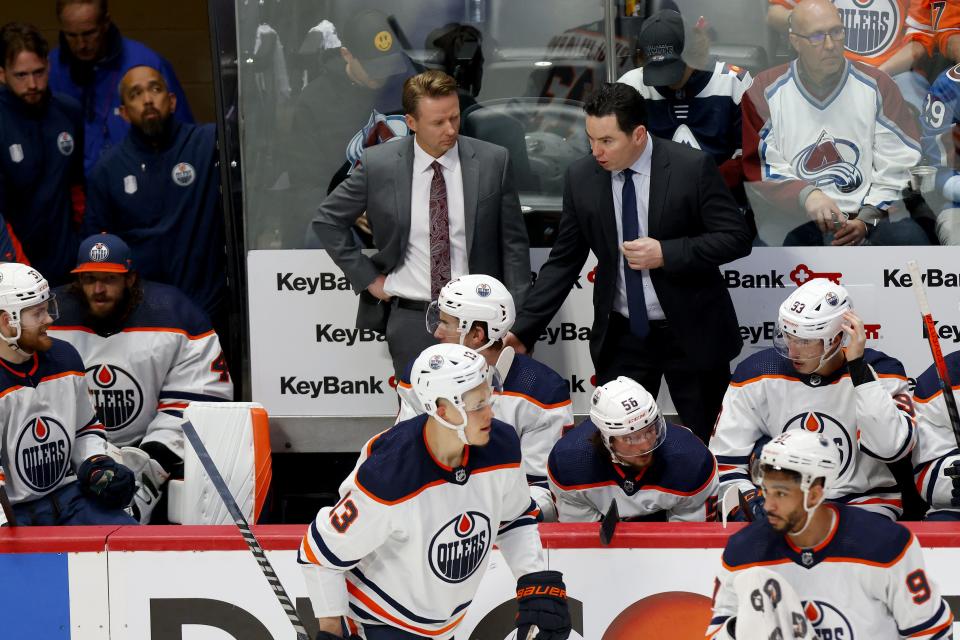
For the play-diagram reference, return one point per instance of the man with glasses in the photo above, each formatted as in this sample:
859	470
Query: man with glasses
831	140
149	351
477	311
858	398
57	471
41	161
628	454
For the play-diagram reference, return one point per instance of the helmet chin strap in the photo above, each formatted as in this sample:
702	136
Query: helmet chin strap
13	342
826	357
810	511
461	429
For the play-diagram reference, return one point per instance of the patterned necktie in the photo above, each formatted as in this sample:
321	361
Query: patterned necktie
636	304
439	232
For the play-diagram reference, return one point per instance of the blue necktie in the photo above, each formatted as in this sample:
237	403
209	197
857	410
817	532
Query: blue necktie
636	305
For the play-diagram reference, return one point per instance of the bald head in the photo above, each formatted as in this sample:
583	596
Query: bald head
817	34
145	101
812	11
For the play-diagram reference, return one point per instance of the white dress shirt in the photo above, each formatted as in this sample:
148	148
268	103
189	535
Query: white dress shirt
641	185
411	278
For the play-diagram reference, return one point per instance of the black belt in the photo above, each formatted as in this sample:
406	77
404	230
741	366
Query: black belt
411	305
624	321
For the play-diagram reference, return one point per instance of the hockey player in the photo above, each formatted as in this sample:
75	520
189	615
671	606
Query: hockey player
936	460
54	449
148	352
856	397
626	452
477	311
403	552
857	574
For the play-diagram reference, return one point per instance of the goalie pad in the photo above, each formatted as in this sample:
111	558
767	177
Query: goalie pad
768	608
150	478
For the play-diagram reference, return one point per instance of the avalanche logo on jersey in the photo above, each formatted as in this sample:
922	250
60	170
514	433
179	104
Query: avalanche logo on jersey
830	161
684	135
43	453
379	129
460	546
872	25
65	143
828	622
117	397
832	430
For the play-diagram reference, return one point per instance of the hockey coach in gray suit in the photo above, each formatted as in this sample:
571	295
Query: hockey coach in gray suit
439	205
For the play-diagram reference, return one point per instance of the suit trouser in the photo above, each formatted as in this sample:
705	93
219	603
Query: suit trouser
697	393
406	333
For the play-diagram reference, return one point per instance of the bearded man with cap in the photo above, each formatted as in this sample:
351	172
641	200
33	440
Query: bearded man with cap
149	351
858	398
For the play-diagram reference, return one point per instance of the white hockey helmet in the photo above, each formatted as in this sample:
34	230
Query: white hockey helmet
623	407
814	312
22	287
449	371
807	453
475	298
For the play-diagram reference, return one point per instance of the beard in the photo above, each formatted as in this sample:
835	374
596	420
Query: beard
154	127
112	320
38	107
34	342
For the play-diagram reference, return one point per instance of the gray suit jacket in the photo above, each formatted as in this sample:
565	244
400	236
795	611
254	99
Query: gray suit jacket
496	234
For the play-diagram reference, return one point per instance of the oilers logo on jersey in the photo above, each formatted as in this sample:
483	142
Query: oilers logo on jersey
832	430
872	26
117	396
828	622
43	453
461	545
830	161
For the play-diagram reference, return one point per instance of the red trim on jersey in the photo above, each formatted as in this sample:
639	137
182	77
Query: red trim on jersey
781	377
532	400
463	463
930	632
136	329
580	487
307	551
33	369
923	474
826	541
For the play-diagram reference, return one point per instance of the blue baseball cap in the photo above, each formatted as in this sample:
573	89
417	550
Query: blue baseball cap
104	253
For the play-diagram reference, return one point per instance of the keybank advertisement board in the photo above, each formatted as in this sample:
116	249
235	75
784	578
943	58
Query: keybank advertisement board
308	359
199	583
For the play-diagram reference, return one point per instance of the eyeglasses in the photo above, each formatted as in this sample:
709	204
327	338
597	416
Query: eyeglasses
819	37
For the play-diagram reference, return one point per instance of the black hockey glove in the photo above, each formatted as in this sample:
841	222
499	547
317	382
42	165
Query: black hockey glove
953	472
542	602
755	500
103	478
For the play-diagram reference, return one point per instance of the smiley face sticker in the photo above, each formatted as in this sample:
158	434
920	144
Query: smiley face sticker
383	41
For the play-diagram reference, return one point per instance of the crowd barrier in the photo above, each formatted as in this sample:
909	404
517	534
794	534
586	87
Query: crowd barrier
200	582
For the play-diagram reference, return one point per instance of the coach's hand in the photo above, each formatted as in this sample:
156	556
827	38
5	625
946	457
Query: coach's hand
511	340
643	253
542	602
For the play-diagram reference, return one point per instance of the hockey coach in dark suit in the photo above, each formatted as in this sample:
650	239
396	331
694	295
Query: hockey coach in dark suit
660	221
440	205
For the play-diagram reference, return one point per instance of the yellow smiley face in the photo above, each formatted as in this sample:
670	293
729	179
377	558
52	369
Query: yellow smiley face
383	41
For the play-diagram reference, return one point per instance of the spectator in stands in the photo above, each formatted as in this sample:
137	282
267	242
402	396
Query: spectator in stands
477	311
159	190
625	452
57	471
893	36
88	65
148	352
10	248
807	155
940	120
693	107
461	215
41	164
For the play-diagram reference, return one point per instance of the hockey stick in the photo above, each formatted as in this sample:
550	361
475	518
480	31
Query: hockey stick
208	465
5	501
747	514
504	362
939	363
609	524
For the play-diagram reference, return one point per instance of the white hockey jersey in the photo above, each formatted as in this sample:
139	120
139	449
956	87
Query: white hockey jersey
412	537
872	424
143	374
49	426
936	446
535	401
866	580
680	484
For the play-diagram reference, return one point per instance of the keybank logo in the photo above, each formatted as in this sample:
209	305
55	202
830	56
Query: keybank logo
311	284
896	278
339	335
329	386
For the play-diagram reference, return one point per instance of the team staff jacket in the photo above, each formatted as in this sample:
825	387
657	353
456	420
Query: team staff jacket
535	401
49	426
866	580
94	86
871	424
412	537
165	203
679	485
856	144
936	443
143	373
41	172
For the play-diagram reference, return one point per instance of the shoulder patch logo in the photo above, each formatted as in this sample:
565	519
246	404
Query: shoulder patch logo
183	174
130	185
16	153
459	548
65	143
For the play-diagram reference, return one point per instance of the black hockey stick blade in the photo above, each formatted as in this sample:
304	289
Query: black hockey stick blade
609	524
747	513
253	544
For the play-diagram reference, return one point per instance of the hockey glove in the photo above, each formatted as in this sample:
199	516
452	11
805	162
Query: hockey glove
755	500
542	602
953	472
150	478
101	477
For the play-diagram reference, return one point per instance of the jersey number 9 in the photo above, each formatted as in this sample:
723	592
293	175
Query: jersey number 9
918	586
